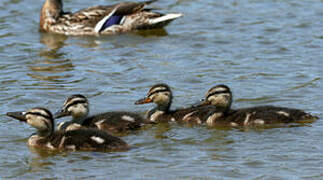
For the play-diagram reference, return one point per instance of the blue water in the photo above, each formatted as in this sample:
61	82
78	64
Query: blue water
268	52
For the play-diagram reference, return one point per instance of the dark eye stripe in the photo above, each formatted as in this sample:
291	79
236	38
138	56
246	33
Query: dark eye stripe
158	91
76	102
217	92
39	114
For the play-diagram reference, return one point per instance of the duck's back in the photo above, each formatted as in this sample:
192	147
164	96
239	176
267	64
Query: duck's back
191	115
195	115
267	115
83	139
115	122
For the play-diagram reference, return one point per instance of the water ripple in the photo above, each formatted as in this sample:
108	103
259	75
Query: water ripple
268	52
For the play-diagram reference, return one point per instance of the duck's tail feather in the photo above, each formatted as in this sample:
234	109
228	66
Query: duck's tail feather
165	19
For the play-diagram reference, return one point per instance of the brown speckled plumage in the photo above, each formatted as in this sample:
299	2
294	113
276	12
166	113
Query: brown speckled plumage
85	21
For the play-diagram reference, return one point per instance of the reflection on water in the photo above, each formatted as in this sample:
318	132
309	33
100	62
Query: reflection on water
53	42
52	65
152	32
50	69
161	130
44	153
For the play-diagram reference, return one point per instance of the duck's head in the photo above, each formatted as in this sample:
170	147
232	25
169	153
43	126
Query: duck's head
75	105
219	96
160	94
51	6
39	118
49	13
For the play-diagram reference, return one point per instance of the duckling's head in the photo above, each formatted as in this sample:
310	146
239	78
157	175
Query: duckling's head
76	106
220	96
39	118
159	94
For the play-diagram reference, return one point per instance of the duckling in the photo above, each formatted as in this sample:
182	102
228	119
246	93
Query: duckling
105	20
161	95
47	138
113	122
221	96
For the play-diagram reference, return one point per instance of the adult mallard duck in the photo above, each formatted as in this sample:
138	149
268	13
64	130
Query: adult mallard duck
97	20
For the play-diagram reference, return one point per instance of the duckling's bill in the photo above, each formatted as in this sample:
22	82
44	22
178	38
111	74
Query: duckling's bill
61	113
144	101
204	102
19	115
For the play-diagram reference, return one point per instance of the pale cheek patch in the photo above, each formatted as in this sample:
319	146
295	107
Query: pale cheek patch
162	98
218	100
78	110
37	122
97	139
128	118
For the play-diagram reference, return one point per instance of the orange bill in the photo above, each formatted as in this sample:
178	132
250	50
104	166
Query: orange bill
144	101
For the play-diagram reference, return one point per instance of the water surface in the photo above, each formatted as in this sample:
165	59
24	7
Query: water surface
268	52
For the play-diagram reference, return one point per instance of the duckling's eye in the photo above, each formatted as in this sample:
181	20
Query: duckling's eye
73	106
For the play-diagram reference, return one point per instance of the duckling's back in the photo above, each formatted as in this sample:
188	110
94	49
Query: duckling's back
115	122
268	115
84	139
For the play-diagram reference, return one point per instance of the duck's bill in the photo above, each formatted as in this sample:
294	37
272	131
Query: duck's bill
20	115
203	102
61	113
144	101
198	103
